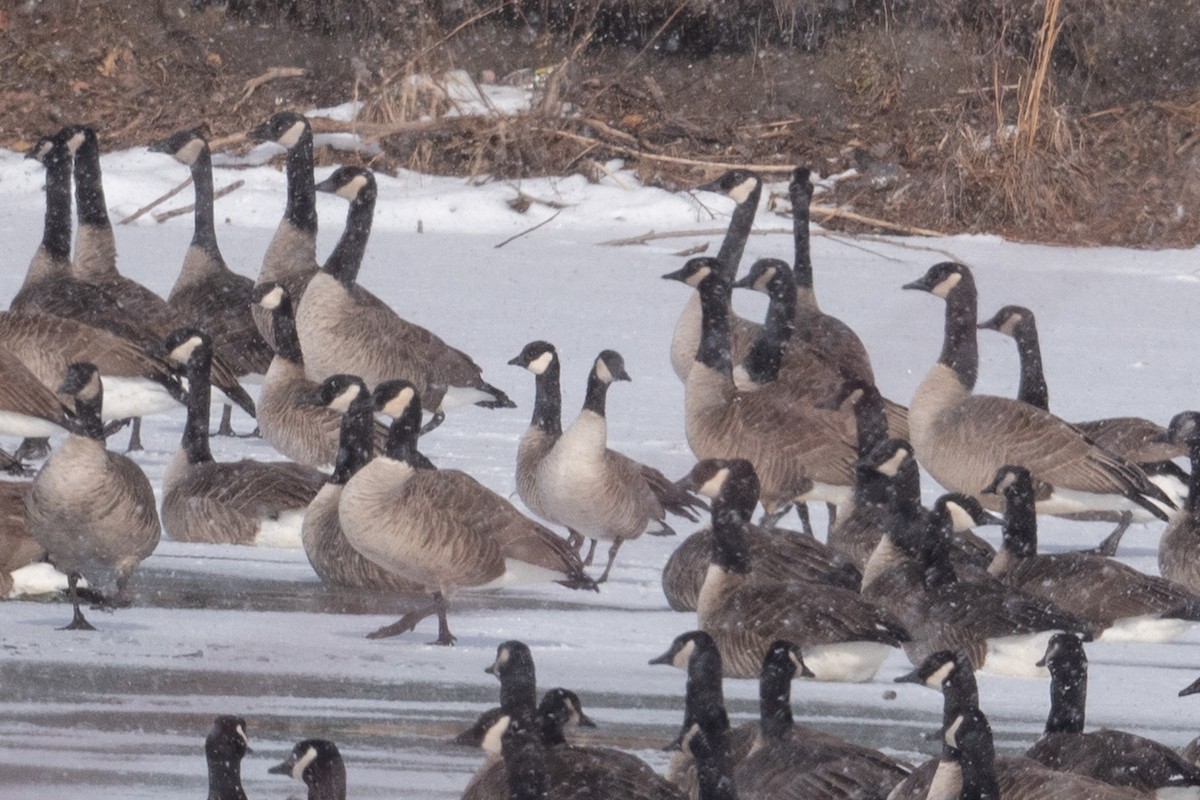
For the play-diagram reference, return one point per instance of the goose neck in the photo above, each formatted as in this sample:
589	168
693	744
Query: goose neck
766	355
597	394
195	429
89	186
738	233
355	440
327	782
1192	503
401	444
1020	523
714	349
204	233
518	692
704	698
56	236
979	780
802	268
713	775
870	421
960	347
225	778
1068	698
346	258
287	340
547	401
88	422
1032	389
775	701
301	209
731	513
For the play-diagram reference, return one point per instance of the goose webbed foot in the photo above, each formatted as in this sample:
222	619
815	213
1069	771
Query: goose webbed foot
587	562
445	637
409	621
438	418
1108	547
14	466
78	622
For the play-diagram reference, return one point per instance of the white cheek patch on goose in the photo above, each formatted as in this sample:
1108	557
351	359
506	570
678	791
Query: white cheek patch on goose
1008	480
699	276
542	363
399	404
947	285
491	739
501	659
342	402
684	655
43	151
184	350
951	736
764	280
272	299
76	142
742	191
892	465
796	660
712	487
603	372
91	389
190	152
351	189
935	680
291	136
302	763
1009	328
960	520
242	734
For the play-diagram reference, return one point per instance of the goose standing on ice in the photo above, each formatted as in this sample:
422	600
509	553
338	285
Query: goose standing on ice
345	328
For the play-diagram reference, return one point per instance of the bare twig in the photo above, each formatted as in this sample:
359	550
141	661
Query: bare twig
272	74
175	212
768	168
156	202
529	230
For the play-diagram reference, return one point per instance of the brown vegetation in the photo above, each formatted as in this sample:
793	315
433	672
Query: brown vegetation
1049	121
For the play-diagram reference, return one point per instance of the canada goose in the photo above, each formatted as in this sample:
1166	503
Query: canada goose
303	431
318	765
774	757
345	328
833	339
843	636
580	483
745	188
291	257
442	528
910	575
224	748
1179	547
1134	438
594	773
207	294
798	454
96	263
241	502
93	510
779	556
1109	756
962	438
332	557
1116	600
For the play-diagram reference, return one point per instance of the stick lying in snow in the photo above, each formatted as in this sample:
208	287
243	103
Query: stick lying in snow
175	212
156	202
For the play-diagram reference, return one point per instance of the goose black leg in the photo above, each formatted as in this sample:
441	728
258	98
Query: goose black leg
78	623
135	436
612	554
1108	547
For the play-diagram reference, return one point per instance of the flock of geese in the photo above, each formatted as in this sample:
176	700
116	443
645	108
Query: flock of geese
779	414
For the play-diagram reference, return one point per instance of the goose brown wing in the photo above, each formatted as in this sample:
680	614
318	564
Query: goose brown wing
1098	589
23	393
600	773
1029	780
220	306
262	488
673	499
1115	757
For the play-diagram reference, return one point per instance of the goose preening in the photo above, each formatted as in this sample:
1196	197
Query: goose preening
317	764
332	557
1001	629
207	294
572	478
1134	438
291	257
304	431
345	328
1110	756
843	636
442	529
93	510
1179	546
745	189
1116	600
963	438
582	773
799	452
240	502
224	748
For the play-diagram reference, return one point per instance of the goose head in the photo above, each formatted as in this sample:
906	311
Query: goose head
1011	321
945	671
355	184
771	276
272	296
1012	481
50	150
783	660
943	279
715	477
562	707
227	740
684	647
336	392
696	272
610	367
964	512
1065	657
801	182
512	657
317	764
537	356
187	347
80	137
888	457
398	399
186	146
1183	430
82	382
284	128
737	184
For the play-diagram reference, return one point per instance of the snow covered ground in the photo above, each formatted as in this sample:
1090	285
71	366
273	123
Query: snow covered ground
213	630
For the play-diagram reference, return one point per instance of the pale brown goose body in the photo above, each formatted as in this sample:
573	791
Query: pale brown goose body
94	511
243	502
345	328
962	438
442	529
